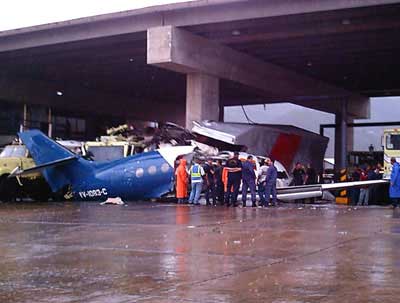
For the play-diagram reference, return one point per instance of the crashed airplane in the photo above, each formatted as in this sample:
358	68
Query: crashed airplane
142	176
145	175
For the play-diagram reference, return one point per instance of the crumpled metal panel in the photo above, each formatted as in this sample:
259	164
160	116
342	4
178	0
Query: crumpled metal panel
287	144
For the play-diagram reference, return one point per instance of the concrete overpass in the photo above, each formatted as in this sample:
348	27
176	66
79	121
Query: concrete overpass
184	62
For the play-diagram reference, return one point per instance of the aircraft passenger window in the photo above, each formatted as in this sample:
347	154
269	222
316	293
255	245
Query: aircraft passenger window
139	172
165	167
152	170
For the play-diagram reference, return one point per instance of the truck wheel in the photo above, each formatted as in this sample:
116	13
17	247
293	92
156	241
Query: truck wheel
8	189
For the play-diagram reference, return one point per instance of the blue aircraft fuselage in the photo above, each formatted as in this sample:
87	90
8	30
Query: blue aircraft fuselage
142	176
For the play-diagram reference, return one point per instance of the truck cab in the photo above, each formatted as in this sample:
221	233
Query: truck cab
107	149
11	157
391	148
33	185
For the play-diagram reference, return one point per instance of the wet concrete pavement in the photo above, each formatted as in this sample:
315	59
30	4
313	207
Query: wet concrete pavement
147	252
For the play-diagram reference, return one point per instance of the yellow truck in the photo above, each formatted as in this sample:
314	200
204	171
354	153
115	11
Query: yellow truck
108	148
33	186
391	148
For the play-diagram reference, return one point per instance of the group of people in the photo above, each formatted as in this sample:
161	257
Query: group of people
304	175
221	183
368	194
372	194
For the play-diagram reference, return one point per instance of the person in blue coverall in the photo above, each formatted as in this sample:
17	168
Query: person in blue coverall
270	187
249	181
394	189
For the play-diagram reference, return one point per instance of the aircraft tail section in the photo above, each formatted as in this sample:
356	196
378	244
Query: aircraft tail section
42	148
59	165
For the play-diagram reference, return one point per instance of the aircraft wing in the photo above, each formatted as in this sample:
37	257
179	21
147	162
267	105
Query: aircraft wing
344	185
299	192
20	172
316	190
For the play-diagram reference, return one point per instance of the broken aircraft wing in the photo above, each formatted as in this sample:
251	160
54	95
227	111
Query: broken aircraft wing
316	190
285	143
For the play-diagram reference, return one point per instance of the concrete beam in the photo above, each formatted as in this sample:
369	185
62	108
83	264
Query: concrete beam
292	31
355	108
178	50
181	14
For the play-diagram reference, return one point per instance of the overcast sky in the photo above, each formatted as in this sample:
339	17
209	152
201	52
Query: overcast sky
22	13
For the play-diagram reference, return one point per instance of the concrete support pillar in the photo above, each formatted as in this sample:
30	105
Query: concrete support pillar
202	98
350	136
341	137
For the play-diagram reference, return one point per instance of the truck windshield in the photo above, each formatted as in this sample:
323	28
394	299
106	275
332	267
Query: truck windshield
105	153
393	142
13	151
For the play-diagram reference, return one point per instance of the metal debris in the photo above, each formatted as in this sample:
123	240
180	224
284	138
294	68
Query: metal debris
113	201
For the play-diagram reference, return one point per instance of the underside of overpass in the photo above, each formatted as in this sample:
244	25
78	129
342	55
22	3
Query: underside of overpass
186	61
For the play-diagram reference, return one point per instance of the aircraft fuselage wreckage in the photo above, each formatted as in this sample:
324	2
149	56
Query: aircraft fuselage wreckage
143	176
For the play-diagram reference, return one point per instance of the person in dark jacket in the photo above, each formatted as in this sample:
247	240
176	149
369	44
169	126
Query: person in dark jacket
270	187
249	181
311	175
379	190
210	183
234	168
394	189
219	184
355	192
310	178
371	173
298	178
364	191
298	174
